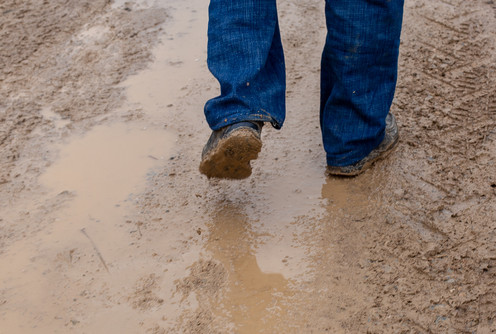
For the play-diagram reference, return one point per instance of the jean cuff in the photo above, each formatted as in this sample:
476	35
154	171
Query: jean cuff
254	117
354	156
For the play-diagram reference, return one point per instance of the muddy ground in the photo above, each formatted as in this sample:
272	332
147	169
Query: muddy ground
106	225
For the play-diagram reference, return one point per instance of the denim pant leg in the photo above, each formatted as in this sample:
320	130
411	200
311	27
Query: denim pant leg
358	76
245	55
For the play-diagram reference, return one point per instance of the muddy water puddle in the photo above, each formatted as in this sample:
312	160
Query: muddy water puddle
263	238
123	235
102	170
84	271
268	257
96	176
254	298
180	58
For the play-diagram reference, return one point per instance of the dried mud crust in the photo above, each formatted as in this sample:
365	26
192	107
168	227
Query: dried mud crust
230	159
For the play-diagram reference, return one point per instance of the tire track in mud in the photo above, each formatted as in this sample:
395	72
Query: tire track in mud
461	96
443	282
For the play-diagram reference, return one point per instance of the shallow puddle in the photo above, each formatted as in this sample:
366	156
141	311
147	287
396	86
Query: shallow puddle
88	251
180	58
254	299
102	170
96	177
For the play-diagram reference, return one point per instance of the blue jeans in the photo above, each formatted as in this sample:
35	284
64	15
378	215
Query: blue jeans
358	74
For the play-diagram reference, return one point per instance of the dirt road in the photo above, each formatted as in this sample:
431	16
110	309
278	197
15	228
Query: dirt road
106	225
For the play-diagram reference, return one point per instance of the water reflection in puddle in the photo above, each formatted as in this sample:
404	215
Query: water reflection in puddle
254	299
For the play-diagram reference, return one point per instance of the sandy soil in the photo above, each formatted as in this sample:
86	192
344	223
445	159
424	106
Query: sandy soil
106	225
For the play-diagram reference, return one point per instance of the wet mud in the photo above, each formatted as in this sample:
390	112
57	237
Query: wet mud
106	224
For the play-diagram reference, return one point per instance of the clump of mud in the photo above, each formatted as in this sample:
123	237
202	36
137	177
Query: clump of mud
207	280
207	277
144	296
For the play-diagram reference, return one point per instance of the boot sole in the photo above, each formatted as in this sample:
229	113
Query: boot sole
231	158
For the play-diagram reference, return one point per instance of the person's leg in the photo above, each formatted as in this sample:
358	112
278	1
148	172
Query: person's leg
358	76
245	55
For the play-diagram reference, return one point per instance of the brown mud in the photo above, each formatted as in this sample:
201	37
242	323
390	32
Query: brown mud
106	225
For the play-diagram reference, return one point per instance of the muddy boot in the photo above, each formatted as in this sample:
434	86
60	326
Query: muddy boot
380	152
228	152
